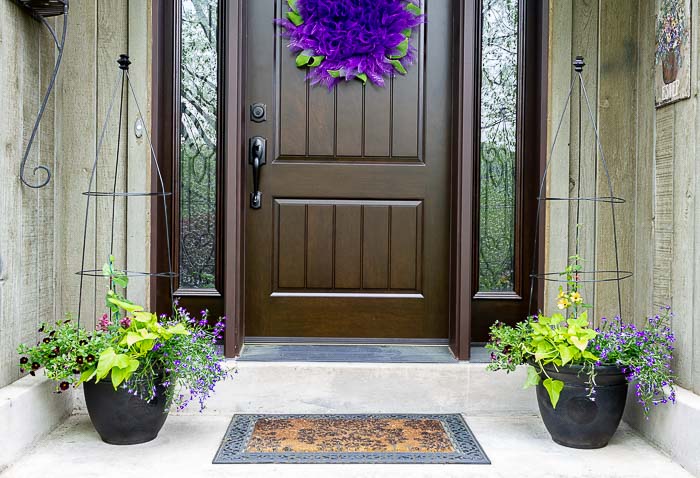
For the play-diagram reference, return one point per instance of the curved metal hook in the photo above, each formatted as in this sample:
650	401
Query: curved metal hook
43	106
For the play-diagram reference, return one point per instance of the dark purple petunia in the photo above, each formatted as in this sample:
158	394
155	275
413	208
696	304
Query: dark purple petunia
354	37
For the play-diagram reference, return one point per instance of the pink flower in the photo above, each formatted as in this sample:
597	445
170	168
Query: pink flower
104	323
125	322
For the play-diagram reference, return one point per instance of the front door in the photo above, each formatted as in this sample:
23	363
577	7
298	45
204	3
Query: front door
351	239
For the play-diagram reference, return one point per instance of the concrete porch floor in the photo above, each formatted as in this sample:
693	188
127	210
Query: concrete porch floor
518	446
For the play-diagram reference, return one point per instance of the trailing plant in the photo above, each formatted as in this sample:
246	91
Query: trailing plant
644	354
64	351
568	339
134	349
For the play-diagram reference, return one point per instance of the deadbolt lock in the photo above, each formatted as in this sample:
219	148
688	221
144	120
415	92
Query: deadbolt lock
258	112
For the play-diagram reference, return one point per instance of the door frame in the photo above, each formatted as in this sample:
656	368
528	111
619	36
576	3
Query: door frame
465	149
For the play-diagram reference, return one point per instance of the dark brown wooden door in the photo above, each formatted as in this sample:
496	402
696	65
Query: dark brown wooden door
352	238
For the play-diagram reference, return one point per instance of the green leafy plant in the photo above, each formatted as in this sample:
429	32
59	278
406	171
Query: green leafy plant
567	338
541	341
133	348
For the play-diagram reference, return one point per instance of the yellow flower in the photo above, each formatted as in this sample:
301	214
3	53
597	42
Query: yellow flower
563	303
561	293
576	298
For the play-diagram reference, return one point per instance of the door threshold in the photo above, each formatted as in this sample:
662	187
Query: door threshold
358	353
342	341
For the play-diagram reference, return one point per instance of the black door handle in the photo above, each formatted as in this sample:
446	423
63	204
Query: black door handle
256	158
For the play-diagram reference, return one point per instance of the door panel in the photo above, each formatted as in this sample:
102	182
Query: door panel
347	245
352	239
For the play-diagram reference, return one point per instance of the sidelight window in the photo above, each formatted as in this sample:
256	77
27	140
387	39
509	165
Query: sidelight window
197	168
498	147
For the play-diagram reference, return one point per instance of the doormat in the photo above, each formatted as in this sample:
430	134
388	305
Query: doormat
375	438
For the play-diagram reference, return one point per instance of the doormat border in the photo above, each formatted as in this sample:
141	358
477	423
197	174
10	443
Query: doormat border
240	430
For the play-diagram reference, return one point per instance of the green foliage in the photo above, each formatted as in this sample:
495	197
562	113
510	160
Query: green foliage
539	342
554	341
133	348
565	339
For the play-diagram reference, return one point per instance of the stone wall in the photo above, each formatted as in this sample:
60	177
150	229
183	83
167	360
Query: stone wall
41	229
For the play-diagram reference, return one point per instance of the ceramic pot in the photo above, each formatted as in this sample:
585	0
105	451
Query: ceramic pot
578	421
121	418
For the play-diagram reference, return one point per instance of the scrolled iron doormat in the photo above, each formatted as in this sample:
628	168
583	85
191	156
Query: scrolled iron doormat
364	438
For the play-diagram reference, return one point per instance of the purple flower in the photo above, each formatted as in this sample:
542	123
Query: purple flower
125	322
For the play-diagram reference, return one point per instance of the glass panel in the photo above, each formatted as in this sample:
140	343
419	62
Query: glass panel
198	140
499	82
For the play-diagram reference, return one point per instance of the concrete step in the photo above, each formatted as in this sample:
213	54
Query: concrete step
316	387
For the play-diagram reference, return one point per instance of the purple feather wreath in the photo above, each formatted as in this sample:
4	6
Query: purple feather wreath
340	40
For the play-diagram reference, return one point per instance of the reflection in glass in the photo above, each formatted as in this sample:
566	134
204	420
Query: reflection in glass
499	81
198	140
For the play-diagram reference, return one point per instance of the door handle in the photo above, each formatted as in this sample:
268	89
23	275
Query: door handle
256	158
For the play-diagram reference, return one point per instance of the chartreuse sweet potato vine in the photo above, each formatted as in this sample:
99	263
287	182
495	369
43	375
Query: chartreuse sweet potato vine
556	340
140	331
541	341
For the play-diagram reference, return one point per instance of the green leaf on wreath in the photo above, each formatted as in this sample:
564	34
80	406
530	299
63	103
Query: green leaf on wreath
292	5
316	60
402	48
407	32
334	73
413	8
295	18
362	77
303	60
554	388
399	67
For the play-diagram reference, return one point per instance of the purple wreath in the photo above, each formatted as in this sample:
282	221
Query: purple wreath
345	39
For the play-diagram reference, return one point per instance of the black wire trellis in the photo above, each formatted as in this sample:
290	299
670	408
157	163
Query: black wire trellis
122	88
615	275
40	10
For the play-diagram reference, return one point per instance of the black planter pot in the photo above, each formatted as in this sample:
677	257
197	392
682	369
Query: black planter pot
578	422
121	418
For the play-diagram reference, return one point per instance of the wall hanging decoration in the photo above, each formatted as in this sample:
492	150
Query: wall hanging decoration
40	10
672	76
352	39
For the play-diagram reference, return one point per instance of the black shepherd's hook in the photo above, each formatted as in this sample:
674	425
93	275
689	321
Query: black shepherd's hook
59	46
